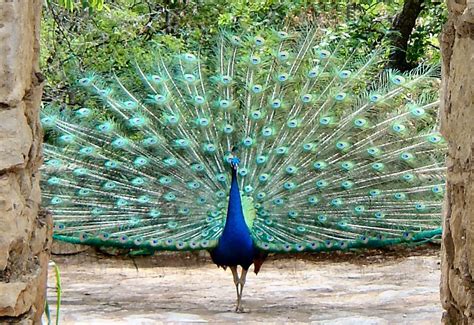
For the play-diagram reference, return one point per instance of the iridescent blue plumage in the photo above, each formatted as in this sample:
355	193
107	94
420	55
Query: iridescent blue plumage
235	246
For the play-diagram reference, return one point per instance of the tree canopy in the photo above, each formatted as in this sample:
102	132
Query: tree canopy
109	36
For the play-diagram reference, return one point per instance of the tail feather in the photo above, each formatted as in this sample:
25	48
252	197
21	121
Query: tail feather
335	151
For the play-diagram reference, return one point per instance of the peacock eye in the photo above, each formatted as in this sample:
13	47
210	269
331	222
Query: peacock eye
347	185
104	92
210	148
292	124
313	73
189	78
190	57
283	55
256	114
374	192
105	127
420	206
306	98
340	96
344	74
83	112
226	80
263	177
236	40
129	104
374	98
373	151
398	80
159	98
278	201
417	112
377	166
156	79
282	77
228	129
276	103
408	177
67	138
261	159
324	54
398	128
259	41
434	139
359	208
172	119
267	132
87	150
199	100
324	120
255	60
85	81
342	145
140	161
137	121
247	141
257	89
281	150
321	183
224	103
360	122
308	146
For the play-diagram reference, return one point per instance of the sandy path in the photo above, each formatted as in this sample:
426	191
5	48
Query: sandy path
103	290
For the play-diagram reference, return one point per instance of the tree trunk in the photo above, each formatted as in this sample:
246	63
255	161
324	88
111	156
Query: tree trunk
457	125
402	28
25	234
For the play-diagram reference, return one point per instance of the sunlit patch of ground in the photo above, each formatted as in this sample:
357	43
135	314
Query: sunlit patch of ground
378	287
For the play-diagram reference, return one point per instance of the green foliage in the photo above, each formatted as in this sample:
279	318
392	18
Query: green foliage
75	39
424	40
84	4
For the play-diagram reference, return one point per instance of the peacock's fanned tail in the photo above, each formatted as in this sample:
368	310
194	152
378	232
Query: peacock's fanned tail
335	151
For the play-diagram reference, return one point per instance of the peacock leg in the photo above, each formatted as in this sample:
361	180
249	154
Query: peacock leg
243	276
236	282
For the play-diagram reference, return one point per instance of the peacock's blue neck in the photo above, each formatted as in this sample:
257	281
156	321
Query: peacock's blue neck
235	217
235	246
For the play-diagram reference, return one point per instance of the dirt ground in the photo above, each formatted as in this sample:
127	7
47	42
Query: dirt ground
377	287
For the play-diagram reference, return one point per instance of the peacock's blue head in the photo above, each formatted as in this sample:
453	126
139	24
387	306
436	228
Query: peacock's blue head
234	162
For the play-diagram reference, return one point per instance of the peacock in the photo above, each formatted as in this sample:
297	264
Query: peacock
273	142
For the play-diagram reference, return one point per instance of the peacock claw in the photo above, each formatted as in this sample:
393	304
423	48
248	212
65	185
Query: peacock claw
239	309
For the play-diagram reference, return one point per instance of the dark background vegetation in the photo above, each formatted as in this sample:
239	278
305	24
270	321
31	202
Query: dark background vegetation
106	36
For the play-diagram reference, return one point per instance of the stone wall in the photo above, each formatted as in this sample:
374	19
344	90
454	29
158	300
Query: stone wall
25	234
457	125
